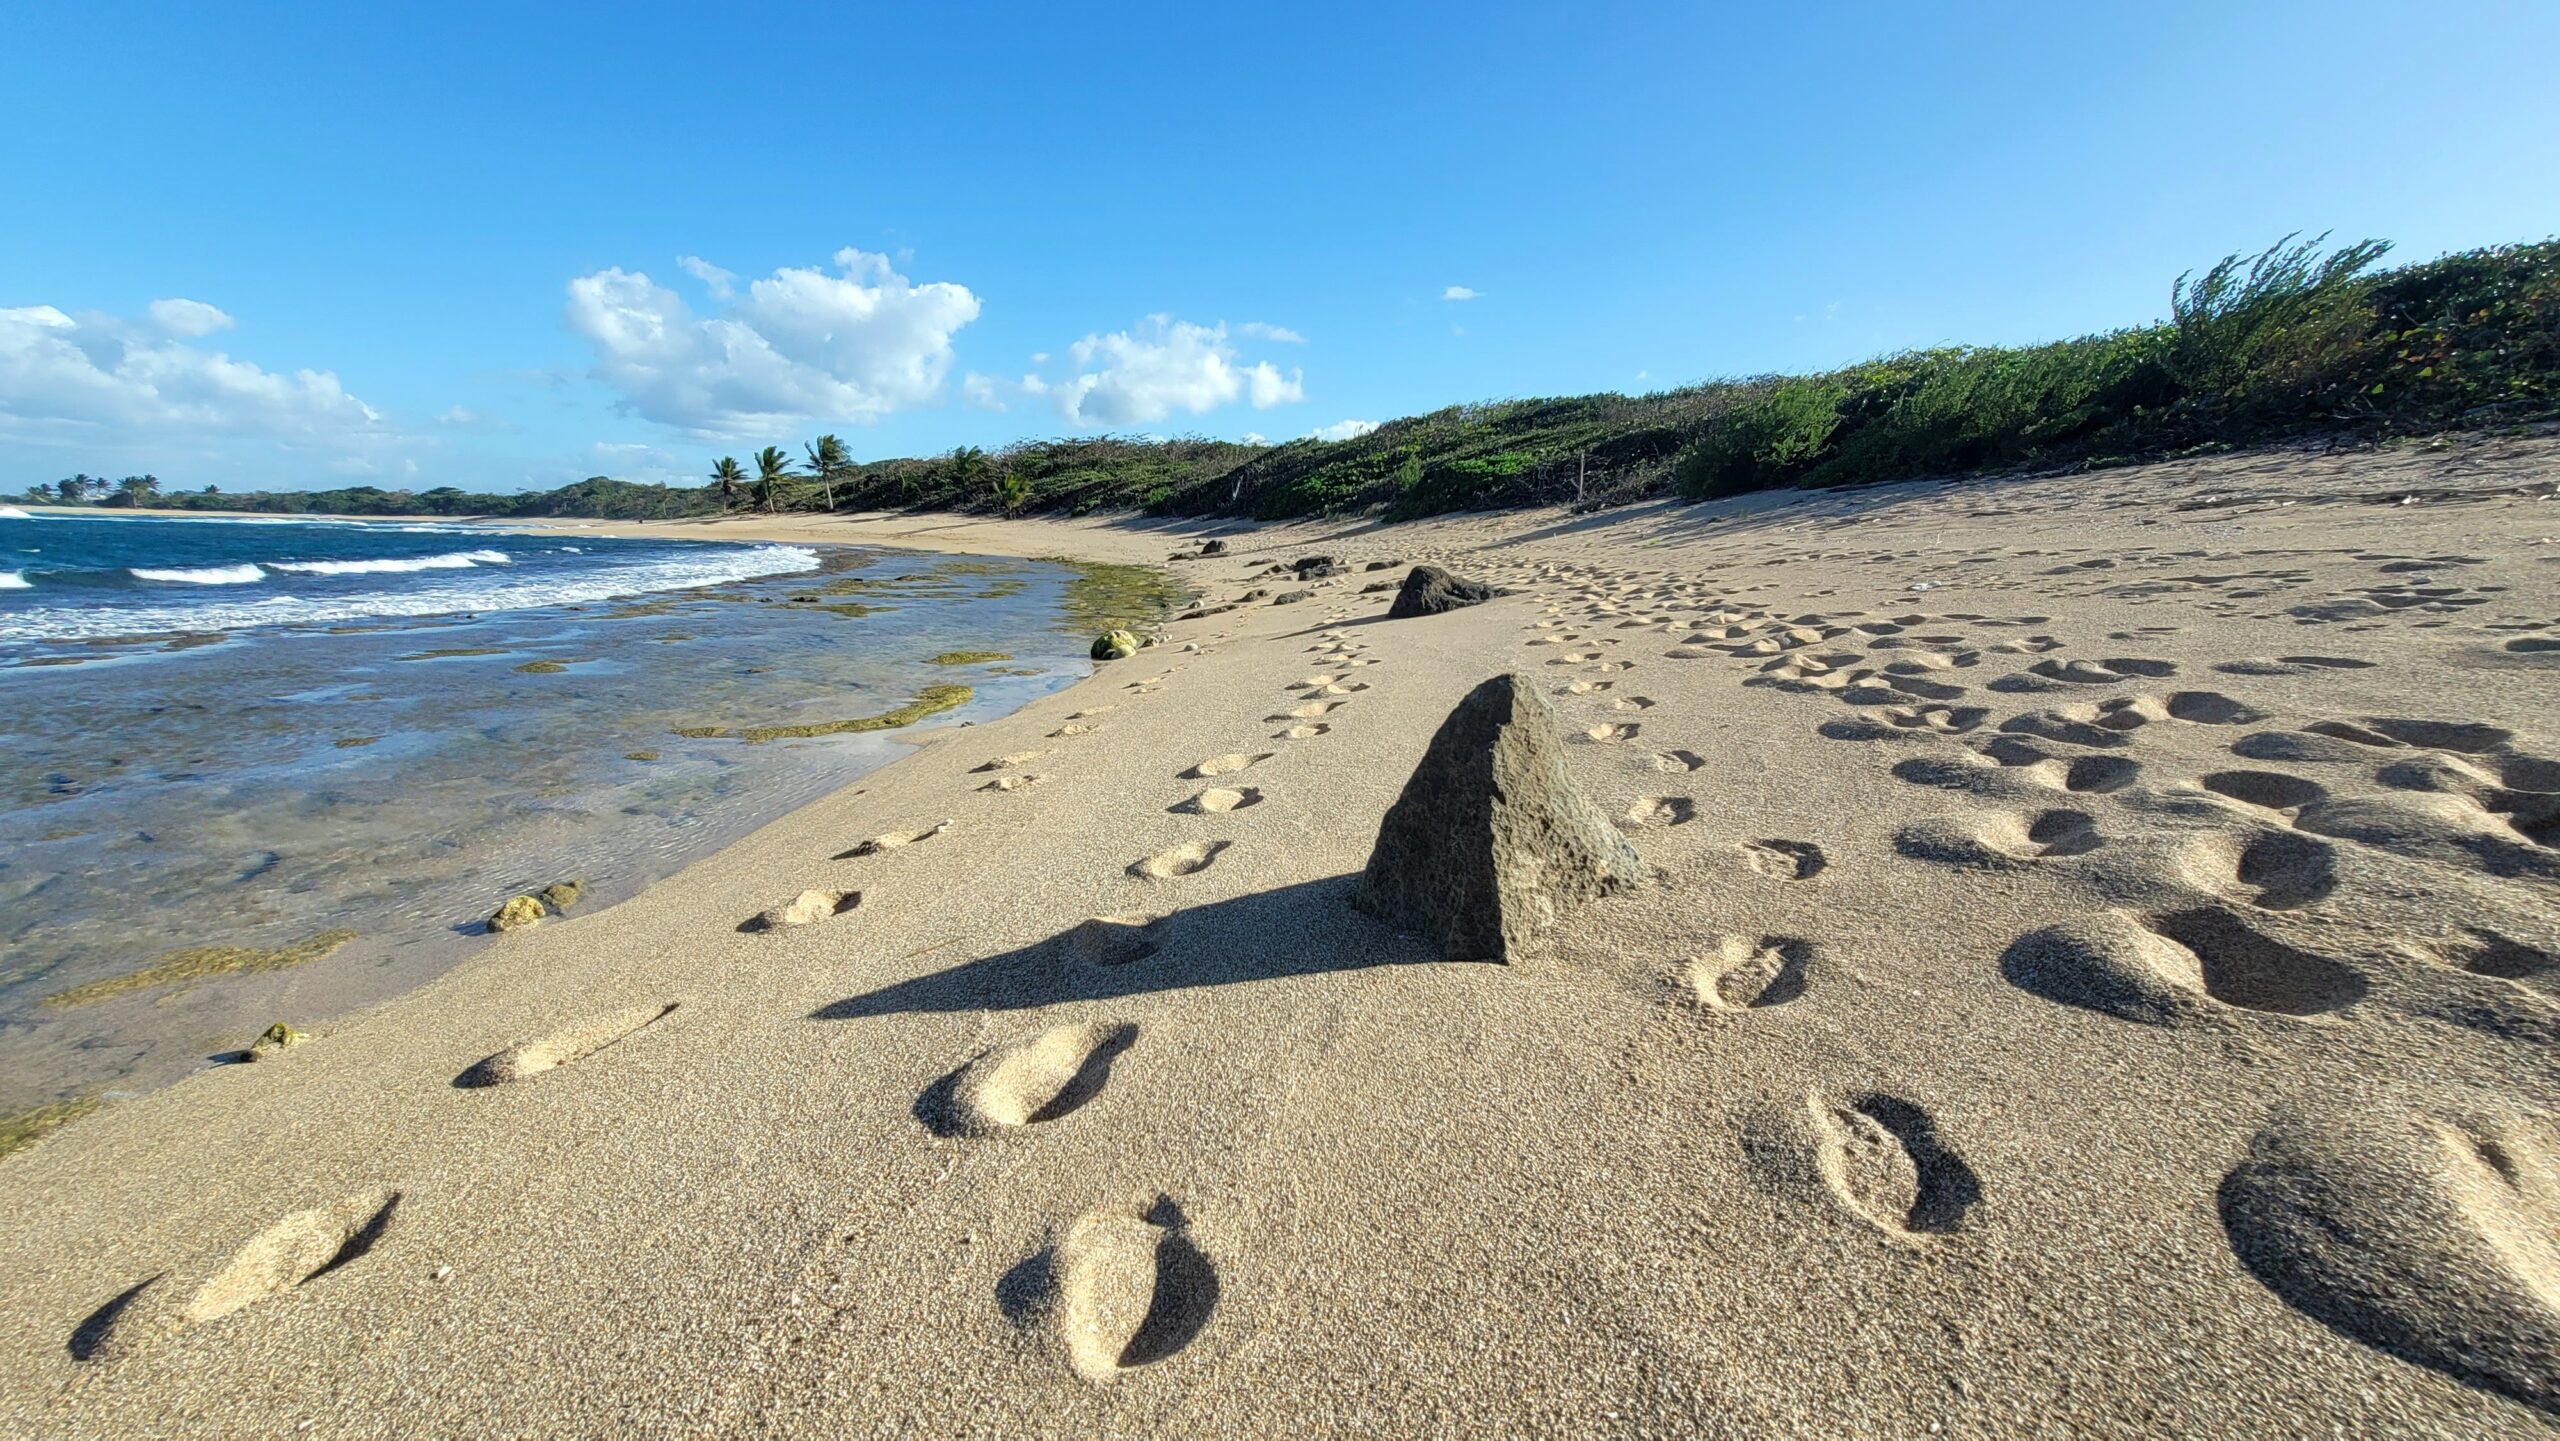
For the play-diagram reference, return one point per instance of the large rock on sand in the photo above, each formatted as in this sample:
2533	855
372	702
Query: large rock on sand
1429	590
1491	844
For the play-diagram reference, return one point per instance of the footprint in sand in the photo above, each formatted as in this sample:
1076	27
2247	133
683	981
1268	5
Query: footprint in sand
2429	1231
1611	732
291	1253
2212	708
1310	711
1632	703
2485	952
1115	940
2112	671
807	908
2292	665
1006	763
1188	859
1305	731
2269	790
1678	761
2272	869
1119	1288
1013	783
1785	860
1227	764
1999	842
2182	968
894	841
1659	811
1217	800
1587	687
572	1043
1740	973
1025	1083
1883	1159
1065	732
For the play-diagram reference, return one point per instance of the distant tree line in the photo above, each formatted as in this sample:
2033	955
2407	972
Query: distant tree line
2295	340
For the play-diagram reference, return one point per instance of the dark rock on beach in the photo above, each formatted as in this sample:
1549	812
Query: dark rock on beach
1491	843
1429	590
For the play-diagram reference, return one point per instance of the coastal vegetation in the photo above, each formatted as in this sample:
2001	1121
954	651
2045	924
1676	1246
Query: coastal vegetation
2256	350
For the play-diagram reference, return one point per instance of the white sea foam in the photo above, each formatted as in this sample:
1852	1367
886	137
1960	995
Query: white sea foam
14	580
471	590
202	575
11	512
454	560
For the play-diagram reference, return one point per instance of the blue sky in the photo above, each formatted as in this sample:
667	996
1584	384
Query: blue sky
414	238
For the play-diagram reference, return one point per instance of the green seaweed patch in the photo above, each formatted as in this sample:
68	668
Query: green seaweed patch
976	567
1103	596
540	667
56	660
1001	589
929	701
454	652
203	963
850	609
1017	670
24	1129
969	657
348	743
639	755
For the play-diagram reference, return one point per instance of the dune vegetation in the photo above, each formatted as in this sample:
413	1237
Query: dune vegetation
2297	340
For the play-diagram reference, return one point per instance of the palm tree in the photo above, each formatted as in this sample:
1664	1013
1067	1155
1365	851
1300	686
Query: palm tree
827	458
772	469
728	477
138	489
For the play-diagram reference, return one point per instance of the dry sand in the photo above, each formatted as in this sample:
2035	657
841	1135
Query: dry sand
2102	979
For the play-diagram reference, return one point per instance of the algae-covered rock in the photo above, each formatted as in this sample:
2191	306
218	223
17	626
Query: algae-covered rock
1114	645
518	913
561	895
274	1039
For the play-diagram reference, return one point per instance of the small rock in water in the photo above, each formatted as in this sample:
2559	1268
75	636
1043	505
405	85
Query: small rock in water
518	913
1429	590
561	895
1491	843
1114	645
275	1039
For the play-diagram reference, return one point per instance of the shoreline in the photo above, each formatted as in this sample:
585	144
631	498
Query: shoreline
401	939
1798	1106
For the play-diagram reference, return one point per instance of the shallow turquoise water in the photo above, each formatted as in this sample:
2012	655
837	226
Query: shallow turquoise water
398	776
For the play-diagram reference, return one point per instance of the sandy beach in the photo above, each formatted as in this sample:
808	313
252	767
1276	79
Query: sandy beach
2097	974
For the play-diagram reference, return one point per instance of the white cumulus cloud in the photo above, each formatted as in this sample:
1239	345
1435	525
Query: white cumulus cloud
1147	374
799	345
1342	430
1460	292
721	283
1276	334
188	319
78	378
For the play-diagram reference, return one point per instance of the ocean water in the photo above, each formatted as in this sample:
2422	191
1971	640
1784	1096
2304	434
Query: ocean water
242	735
